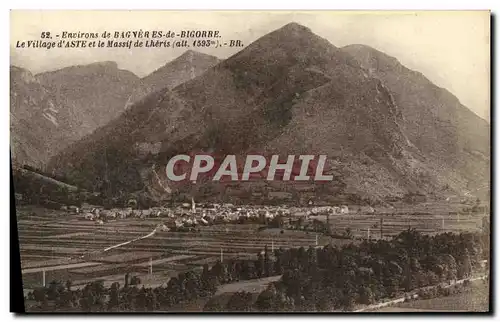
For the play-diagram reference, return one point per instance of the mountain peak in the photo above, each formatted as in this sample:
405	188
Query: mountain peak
295	30
192	54
296	27
284	49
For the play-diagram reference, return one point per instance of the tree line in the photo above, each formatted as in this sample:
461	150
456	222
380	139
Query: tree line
331	278
314	279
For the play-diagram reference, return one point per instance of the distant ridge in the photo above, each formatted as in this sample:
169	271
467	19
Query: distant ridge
53	109
183	68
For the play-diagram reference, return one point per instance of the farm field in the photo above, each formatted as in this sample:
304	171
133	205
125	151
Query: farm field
251	286
69	247
474	299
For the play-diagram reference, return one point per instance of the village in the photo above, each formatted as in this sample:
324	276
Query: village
187	216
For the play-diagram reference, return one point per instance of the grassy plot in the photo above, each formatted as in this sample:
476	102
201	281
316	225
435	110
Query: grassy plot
164	260
103	269
52	249
253	286
69	235
473	298
202	260
30	261
58	267
127	257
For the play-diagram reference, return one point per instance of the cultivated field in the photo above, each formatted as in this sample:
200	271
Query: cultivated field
69	247
474	299
255	286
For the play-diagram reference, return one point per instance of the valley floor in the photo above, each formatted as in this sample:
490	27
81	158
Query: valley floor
58	246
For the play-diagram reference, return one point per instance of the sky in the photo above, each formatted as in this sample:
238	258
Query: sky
451	48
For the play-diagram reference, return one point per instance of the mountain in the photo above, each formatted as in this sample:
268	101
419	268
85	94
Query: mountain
185	67
290	91
52	110
455	140
92	94
33	119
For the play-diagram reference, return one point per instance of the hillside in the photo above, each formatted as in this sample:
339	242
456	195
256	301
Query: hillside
454	139
51	110
183	68
33	119
94	94
288	92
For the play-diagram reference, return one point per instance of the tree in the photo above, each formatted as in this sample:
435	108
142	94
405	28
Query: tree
68	285
54	290
231	270
127	276
365	295
291	279
432	278
248	270
302	258
325	302
259	265
312	258
40	296
464	266
135	280
299	223
64	300
240	302
151	300
192	285
140	302
208	284
87	300
174	290
114	296
348	299
450	265
348	232
265	301
328	225
93	296
215	304
217	272
278	264
268	265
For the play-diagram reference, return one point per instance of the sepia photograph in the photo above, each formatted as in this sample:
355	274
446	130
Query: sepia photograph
251	161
